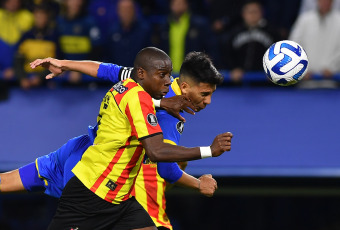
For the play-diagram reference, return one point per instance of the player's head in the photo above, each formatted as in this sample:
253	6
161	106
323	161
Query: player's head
198	79
152	70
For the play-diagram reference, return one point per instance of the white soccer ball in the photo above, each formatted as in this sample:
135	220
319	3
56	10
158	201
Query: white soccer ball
285	63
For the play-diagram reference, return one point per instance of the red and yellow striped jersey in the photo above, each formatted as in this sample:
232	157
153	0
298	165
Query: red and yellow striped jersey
109	167
149	192
150	187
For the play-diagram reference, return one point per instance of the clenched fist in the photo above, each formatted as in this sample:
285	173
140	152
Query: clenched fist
208	185
221	143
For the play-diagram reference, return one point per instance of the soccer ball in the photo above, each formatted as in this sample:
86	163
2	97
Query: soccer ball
285	63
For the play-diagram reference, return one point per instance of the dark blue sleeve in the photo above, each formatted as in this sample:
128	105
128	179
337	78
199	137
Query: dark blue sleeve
113	72
169	171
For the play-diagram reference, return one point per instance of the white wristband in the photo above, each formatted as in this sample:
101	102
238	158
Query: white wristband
205	152
157	103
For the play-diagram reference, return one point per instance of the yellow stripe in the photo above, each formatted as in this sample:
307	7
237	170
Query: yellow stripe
175	87
75	44
36	165
160	194
169	142
140	191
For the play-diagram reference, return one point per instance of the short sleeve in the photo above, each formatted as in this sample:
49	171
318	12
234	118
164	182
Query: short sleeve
109	72
141	114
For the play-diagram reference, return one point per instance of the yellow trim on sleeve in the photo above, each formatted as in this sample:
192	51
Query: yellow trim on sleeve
36	165
169	142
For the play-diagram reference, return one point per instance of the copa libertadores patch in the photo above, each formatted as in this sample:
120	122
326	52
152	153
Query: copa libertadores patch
180	126
152	119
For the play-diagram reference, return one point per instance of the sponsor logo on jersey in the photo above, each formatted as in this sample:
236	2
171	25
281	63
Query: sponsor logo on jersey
111	185
119	87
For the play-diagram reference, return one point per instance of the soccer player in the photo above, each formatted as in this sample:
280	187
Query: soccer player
208	96
99	195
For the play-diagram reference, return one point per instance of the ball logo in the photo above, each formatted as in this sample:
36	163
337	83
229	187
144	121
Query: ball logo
180	126
152	119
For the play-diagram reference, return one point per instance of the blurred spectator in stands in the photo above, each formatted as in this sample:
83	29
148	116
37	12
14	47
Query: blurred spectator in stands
151	8
245	45
318	32
40	41
225	14
282	14
128	35
52	5
308	5
105	13
184	32
78	33
14	21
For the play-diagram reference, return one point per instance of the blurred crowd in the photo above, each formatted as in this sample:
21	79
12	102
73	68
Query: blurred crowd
235	33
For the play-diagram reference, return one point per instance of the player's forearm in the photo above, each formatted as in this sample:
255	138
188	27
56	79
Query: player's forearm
169	153
86	67
188	181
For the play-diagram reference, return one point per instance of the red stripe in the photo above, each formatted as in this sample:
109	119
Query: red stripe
119	96
111	195
133	128
164	201
132	189
109	167
150	180
147	108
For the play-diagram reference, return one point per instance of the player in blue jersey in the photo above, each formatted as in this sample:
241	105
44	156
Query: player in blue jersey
198	80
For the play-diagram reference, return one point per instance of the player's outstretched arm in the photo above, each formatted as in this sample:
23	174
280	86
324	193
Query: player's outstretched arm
157	150
56	67
11	182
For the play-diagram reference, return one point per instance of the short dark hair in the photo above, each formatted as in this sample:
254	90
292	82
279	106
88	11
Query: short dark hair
199	67
145	56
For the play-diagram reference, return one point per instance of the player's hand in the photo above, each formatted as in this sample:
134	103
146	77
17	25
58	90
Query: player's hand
173	105
221	143
53	65
208	185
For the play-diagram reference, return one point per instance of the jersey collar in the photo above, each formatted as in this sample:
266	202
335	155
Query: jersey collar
175	87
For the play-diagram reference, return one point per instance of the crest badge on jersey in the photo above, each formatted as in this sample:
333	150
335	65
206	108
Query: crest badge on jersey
180	126
152	119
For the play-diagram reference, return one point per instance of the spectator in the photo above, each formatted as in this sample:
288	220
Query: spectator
282	14
184	32
40	41
104	13
318	32
78	35
225	14
307	5
245	45
128	35
14	22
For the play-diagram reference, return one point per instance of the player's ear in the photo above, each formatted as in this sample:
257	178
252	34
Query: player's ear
185	87
141	73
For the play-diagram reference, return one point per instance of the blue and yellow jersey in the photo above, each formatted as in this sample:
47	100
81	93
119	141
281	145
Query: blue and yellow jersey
109	167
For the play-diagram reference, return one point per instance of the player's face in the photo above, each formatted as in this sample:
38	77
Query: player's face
157	80
200	94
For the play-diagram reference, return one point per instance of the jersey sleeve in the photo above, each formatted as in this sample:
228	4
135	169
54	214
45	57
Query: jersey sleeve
141	114
112	72
169	171
171	126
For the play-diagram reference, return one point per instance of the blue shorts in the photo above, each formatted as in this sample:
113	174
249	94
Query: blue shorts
55	168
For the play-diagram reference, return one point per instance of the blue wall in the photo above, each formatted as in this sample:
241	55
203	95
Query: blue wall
277	131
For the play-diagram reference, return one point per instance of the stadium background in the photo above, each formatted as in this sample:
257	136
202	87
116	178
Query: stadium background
282	173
